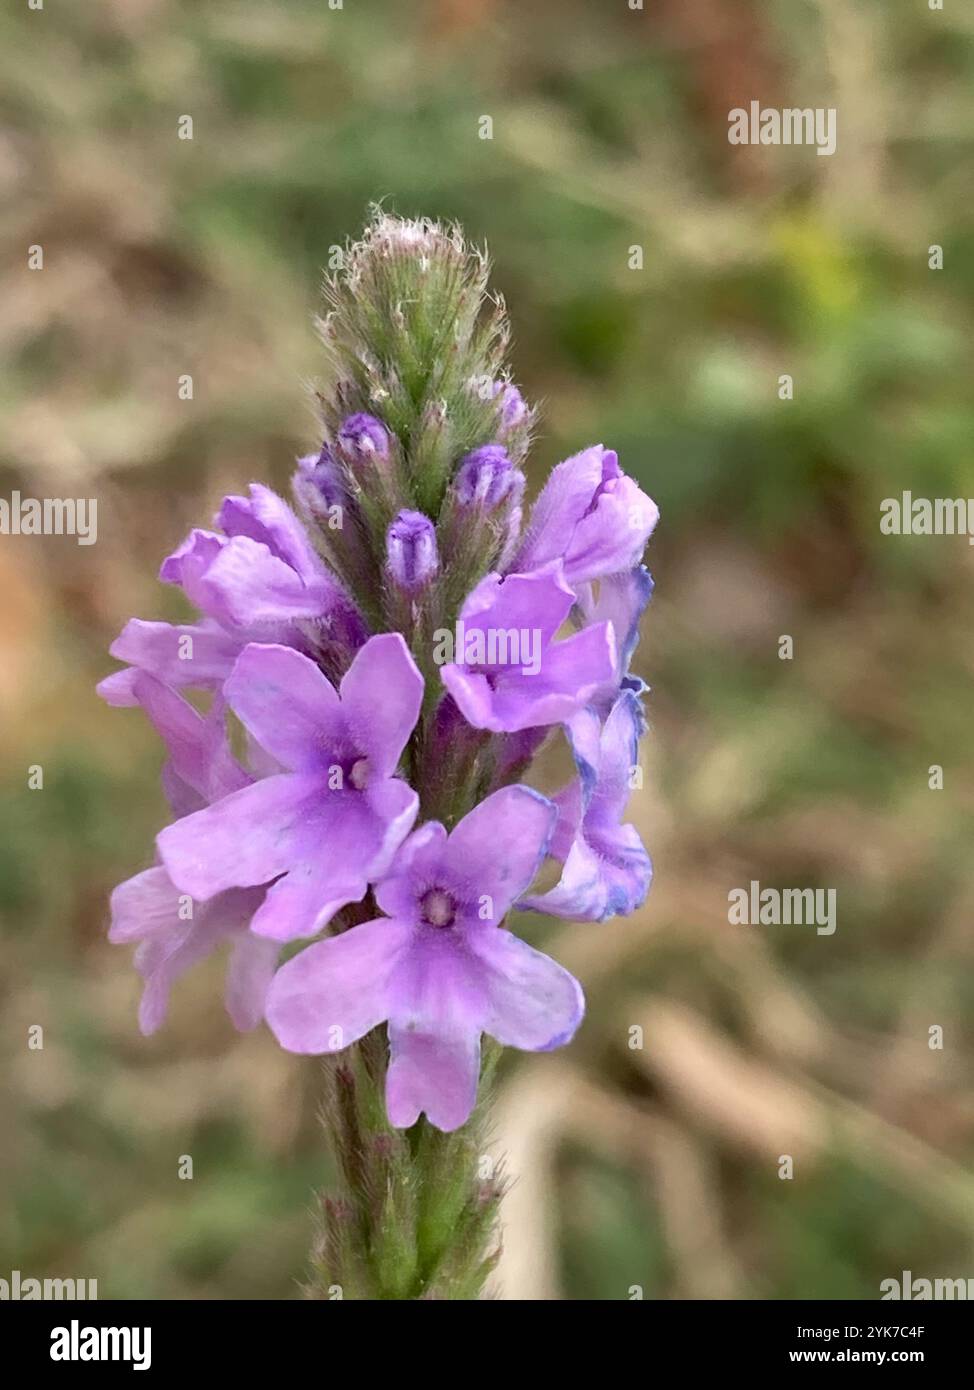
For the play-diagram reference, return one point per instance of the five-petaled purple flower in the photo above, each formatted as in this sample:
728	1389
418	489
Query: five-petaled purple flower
439	967
329	824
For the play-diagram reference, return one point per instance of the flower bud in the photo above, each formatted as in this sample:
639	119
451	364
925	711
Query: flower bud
318	485
363	439
514	409
486	478
411	551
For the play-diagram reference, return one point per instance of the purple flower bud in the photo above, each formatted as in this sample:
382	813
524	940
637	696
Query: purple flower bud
363	438
514	409
318	484
487	477
411	551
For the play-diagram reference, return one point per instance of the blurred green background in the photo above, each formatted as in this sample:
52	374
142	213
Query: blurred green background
652	1169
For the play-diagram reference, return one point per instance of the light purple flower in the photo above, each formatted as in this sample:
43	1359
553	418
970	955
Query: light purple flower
260	581
329	825
510	673
591	515
439	967
172	932
606	868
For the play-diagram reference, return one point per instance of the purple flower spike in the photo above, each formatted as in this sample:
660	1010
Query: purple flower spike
411	552
487	477
172	932
606	868
363	438
327	826
439	967
591	515
509	673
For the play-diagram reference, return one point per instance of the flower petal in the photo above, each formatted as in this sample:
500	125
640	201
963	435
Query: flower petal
161	959
533	1002
351	840
498	847
382	692
536	602
337	990
266	517
253	960
432	1072
618	752
571	671
436	1008
289	706
613	534
561	504
199	751
199	654
146	905
247	839
247	585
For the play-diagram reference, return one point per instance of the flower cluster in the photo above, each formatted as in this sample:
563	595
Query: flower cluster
376	812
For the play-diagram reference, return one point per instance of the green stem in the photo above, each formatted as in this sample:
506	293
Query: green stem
416	1212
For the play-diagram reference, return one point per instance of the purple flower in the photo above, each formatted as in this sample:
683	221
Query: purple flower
439	967
621	602
363	438
171	931
327	826
411	552
606	868
509	673
591	515
261	581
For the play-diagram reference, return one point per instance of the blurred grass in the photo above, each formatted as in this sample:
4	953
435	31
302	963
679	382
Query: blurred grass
658	1168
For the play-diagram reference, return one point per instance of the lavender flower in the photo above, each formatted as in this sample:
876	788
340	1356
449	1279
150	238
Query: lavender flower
259	581
439	968
518	676
328	825
591	516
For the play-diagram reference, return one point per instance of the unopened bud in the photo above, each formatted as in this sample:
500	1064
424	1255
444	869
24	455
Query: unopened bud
318	484
514	409
486	478
362	439
411	551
